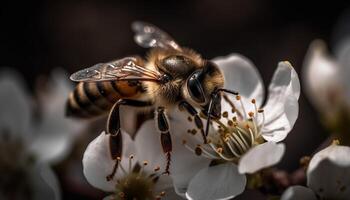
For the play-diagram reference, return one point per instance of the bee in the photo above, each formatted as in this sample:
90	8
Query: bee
171	76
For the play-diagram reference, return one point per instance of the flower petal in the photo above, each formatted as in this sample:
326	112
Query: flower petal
321	76
44	183
217	182
97	162
281	109
329	180
51	148
184	164
328	172
261	156
343	55
335	153
15	105
298	192
241	76
55	129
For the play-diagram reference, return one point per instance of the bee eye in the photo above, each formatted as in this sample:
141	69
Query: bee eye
195	88
166	78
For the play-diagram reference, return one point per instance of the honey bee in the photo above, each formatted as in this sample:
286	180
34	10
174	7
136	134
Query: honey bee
170	76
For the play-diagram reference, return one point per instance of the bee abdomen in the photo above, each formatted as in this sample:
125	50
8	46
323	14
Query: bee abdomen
96	98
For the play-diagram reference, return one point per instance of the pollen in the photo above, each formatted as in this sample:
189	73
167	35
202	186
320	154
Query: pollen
230	123
335	142
198	150
251	114
157	168
189	119
219	150
137	183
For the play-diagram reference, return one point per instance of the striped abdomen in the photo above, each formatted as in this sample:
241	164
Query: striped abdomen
95	98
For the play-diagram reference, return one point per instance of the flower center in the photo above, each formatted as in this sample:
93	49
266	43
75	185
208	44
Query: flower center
138	184
237	131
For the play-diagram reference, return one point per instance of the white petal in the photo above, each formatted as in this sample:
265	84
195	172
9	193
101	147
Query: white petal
44	183
55	130
97	162
329	171
298	192
321	76
343	54
277	129
241	76
51	148
261	156
329	180
335	153
281	109
217	182
184	164
15	105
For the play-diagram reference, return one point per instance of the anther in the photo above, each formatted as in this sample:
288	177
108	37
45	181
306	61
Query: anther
225	114
219	150
194	131
251	114
131	156
118	158
184	141
238	97
189	119
230	122
260	110
234	119
162	193
198	150
157	168
145	162
253	101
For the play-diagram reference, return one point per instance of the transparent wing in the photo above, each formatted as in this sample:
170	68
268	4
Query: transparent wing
123	69
148	35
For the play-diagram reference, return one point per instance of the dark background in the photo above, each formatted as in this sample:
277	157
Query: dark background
38	36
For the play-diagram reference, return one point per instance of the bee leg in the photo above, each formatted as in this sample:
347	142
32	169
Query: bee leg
184	105
113	129
214	108
165	138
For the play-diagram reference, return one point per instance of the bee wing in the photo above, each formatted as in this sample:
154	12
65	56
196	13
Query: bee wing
148	35
118	70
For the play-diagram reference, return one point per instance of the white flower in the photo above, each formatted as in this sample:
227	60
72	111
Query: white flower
328	176
326	78
245	139
134	178
27	148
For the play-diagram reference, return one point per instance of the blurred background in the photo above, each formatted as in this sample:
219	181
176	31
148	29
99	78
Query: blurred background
37	36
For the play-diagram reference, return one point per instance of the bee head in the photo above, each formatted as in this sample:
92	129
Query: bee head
202	82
